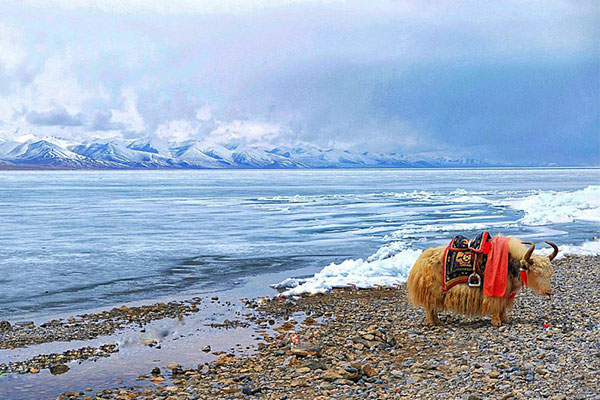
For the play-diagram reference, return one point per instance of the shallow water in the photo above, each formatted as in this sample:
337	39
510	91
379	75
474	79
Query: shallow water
75	240
180	342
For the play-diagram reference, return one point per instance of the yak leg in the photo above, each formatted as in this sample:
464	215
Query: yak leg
503	316
431	317
496	321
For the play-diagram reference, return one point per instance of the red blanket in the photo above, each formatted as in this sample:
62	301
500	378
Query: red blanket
496	270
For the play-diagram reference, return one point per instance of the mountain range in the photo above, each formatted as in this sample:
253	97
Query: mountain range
152	153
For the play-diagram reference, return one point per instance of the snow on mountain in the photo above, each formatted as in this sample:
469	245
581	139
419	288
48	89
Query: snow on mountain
52	152
6	147
260	157
46	154
114	151
151	145
337	158
194	154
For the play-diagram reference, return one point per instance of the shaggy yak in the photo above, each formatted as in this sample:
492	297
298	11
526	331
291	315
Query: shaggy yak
427	287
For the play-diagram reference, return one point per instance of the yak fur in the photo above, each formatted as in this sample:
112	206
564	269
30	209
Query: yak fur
425	285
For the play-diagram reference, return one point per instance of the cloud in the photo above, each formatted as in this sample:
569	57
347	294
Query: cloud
204	113
6	110
57	85
56	117
167	7
178	131
101	121
245	131
385	75
128	114
12	53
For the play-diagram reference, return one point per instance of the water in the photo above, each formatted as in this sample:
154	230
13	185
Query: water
74	241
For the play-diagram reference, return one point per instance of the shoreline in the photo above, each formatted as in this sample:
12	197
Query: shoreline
370	344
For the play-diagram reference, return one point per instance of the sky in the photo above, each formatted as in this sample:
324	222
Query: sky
507	81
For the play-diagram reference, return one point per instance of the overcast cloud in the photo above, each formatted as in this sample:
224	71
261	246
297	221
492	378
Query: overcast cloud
514	81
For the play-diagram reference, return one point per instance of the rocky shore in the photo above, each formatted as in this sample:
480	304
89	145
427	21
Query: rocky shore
90	326
56	363
372	344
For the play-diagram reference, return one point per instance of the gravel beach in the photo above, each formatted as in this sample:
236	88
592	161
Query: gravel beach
373	344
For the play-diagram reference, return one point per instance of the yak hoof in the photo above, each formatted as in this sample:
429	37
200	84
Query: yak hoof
496	321
504	318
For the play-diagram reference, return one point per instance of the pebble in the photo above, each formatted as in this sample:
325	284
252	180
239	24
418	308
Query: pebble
373	344
90	326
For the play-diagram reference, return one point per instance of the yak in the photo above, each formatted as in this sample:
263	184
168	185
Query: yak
424	283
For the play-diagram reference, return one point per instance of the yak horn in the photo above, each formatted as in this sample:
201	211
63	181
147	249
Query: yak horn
529	252
555	252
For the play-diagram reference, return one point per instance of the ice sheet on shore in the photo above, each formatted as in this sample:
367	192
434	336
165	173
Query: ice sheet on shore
591	248
549	207
389	266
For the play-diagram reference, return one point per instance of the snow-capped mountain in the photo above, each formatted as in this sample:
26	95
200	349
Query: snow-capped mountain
153	153
117	152
46	154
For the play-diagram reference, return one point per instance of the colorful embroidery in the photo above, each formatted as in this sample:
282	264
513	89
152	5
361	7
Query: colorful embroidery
464	258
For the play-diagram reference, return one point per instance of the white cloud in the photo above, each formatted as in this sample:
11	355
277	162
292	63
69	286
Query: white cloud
176	130
204	113
225	132
6	110
128	114
11	52
170	6
248	131
56	85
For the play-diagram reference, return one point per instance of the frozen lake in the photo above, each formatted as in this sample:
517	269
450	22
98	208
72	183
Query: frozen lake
75	240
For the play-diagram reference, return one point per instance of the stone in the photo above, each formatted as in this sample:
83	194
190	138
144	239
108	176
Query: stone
330	376
368	370
59	369
173	365
230	389
288	326
306	350
250	390
5	326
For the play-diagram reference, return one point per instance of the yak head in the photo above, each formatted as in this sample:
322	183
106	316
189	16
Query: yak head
539	269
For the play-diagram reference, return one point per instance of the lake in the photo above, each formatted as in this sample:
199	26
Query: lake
77	240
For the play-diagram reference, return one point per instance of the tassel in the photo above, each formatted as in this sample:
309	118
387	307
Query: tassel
523	278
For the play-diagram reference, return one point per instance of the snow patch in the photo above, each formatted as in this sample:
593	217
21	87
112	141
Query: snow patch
288	283
389	266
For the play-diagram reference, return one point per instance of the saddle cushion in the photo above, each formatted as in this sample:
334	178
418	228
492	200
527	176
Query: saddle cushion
463	257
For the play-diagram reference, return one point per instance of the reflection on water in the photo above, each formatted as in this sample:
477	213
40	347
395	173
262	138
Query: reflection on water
180	341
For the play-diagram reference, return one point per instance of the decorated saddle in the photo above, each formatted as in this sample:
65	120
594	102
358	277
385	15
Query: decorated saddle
465	261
